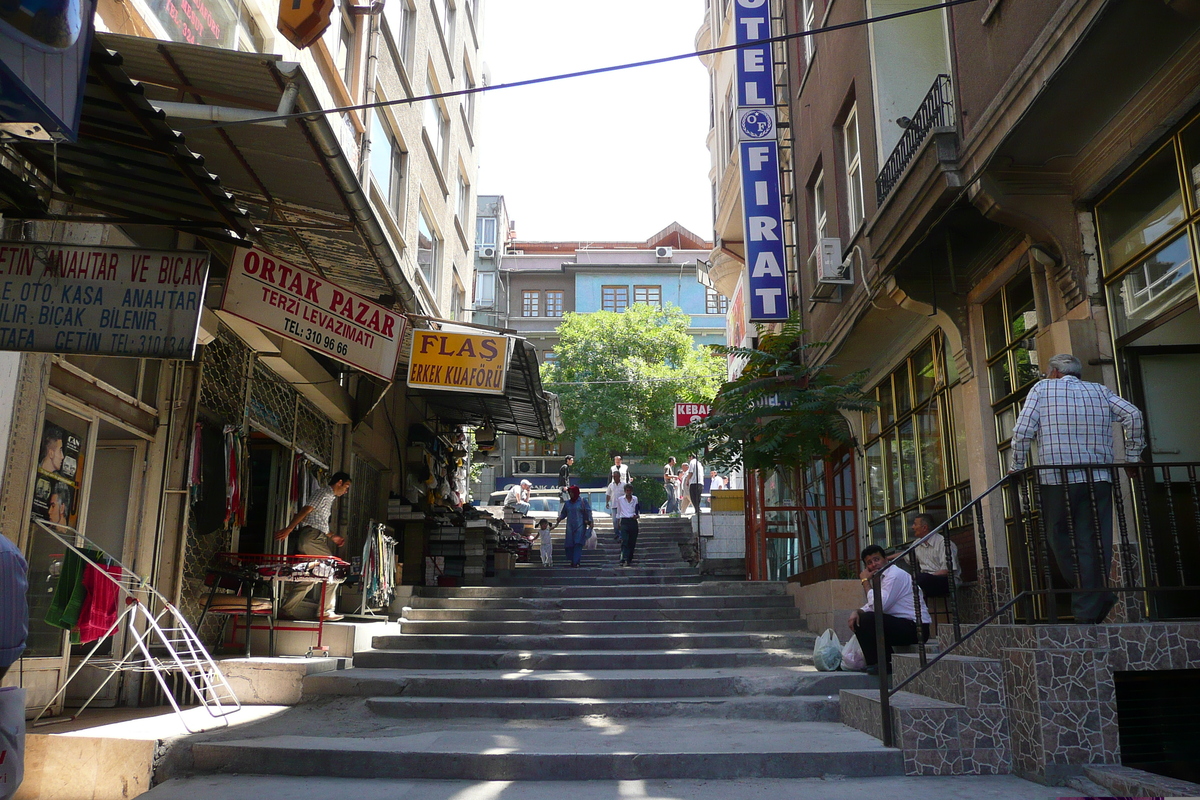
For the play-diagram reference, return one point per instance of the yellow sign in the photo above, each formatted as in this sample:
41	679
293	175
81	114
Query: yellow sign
458	362
303	21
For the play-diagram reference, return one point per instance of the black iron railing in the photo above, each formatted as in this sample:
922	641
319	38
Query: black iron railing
936	111
1055	517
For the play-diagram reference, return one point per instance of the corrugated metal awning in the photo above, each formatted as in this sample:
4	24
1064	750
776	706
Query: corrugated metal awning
524	409
292	179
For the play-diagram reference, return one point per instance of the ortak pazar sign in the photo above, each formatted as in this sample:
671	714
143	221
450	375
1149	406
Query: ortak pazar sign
306	308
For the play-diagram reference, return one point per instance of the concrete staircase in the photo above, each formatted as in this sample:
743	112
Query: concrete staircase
597	673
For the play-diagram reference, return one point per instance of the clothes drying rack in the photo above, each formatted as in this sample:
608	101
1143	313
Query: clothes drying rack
163	641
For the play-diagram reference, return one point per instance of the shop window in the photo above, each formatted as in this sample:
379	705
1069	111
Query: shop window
614	298
715	302
531	304
1141	210
1010	330
909	446
650	295
554	303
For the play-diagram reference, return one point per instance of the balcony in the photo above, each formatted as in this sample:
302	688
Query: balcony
934	115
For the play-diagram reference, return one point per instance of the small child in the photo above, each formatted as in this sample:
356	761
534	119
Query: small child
544	528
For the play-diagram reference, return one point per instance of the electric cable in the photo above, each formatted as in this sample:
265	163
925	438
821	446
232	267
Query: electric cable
583	73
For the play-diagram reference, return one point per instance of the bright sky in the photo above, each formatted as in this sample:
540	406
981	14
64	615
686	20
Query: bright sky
610	157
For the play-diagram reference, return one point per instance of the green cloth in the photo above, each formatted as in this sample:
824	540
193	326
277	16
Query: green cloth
69	594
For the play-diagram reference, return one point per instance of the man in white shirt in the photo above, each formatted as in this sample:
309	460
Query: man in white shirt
695	481
628	512
315	539
899	615
1072	421
620	469
934	573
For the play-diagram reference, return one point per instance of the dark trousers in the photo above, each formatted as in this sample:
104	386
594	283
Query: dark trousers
1072	528
694	492
933	585
574	554
629	534
897	632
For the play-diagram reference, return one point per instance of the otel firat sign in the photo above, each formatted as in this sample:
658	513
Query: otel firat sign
762	210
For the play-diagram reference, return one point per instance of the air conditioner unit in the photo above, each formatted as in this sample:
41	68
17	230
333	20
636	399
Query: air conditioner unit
663	252
487	252
831	268
524	468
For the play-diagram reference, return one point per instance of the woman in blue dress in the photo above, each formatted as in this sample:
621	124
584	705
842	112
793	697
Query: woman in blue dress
577	512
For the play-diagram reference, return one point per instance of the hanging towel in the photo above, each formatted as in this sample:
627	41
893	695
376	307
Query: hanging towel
99	612
69	594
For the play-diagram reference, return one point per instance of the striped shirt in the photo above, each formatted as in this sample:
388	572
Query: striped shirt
322	506
1072	421
14	606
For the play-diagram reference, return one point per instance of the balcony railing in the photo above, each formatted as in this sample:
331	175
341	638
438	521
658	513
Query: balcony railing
936	111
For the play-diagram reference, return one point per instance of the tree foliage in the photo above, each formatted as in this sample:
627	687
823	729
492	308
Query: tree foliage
618	377
781	411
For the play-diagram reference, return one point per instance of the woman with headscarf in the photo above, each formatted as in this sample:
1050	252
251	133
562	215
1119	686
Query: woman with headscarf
577	511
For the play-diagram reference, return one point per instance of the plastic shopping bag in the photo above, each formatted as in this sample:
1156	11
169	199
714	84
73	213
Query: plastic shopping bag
12	740
592	542
827	654
852	656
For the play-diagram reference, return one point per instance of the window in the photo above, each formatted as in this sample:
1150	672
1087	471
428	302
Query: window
820	214
429	250
435	124
554	304
464	200
485	231
346	49
469	99
650	295
614	298
1010	331
445	18
398	18
808	11
457	301
531	304
535	447
387	164
910	464
731	137
485	289
854	181
1149	227
715	302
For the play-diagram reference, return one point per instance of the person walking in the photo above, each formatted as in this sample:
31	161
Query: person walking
314	539
564	477
628	512
715	481
546	545
577	511
622	469
671	483
612	493
1072	419
695	482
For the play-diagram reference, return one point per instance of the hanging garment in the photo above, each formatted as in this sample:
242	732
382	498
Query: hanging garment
99	611
69	593
196	467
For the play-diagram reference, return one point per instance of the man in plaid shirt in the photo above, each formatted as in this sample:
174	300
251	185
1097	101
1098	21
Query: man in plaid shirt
1072	421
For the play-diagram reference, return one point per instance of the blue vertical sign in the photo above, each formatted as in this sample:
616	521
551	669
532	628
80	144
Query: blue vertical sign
758	151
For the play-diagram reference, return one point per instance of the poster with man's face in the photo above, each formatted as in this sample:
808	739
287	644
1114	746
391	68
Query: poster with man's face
60	452
56	485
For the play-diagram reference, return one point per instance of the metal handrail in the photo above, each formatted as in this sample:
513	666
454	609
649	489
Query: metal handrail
935	111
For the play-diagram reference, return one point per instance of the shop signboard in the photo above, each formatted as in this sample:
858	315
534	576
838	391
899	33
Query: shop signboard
44	51
108	301
687	413
208	22
459	362
279	296
758	151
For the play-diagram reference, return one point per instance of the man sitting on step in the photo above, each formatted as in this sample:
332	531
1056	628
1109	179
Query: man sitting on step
899	626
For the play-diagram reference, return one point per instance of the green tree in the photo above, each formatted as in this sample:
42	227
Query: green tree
618	377
780	412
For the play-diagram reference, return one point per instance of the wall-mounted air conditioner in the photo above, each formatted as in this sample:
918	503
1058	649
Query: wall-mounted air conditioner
831	267
664	252
487	252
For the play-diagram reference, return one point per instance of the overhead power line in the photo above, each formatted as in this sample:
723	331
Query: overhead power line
629	380
586	72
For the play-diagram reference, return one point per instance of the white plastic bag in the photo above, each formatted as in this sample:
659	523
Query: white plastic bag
592	542
12	740
827	654
852	656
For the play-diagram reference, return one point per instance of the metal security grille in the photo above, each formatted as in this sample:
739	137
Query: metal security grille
199	553
272	404
223	386
314	432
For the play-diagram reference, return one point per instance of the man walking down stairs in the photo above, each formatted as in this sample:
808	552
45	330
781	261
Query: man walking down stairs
551	682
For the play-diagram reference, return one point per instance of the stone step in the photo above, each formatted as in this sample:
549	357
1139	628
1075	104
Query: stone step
705	588
708	658
695	602
603	628
655	641
619	683
630	573
645	749
746	614
582	577
790	709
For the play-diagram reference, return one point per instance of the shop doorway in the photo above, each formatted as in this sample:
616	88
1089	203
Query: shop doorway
267	500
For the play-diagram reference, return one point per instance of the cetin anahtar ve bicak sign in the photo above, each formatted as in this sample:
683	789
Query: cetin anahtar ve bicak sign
306	308
107	301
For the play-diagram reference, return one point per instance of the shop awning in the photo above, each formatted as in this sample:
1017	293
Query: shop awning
298	182
128	167
524	409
